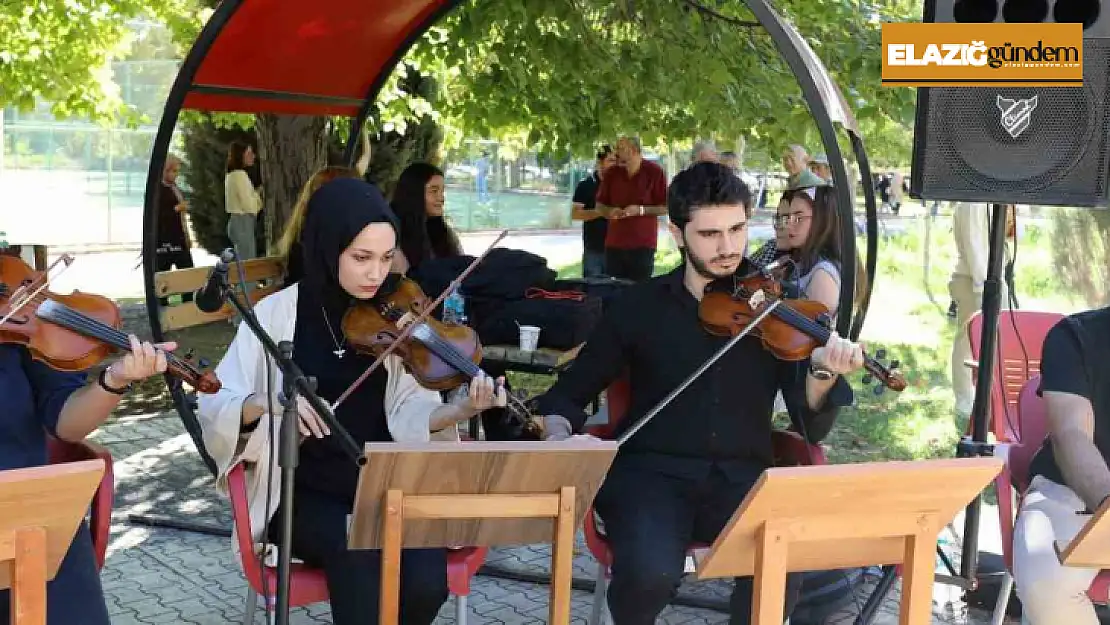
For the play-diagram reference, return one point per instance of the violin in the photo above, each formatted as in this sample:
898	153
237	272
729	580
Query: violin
791	331
70	332
441	356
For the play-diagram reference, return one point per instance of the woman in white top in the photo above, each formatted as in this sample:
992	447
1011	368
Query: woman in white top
241	200
349	239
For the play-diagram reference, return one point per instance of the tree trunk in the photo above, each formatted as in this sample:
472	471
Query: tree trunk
291	148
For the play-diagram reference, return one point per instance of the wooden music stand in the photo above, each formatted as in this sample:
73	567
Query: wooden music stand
476	494
1090	549
40	510
842	516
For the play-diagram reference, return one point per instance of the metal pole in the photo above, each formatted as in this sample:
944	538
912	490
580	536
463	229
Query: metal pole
980	427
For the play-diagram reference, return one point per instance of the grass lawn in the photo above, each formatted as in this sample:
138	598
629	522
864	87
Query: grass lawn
907	318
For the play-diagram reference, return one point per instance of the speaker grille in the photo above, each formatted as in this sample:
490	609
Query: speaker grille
962	151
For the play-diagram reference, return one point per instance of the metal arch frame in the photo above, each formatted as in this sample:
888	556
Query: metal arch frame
821	95
824	99
183	84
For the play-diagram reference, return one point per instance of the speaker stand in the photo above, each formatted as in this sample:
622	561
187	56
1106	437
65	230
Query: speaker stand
972	446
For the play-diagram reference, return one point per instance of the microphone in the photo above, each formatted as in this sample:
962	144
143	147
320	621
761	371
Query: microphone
211	297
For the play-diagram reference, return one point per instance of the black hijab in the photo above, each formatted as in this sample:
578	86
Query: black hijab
337	213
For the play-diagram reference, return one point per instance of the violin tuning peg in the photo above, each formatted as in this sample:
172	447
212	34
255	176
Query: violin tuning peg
880	354
867	379
894	364
203	363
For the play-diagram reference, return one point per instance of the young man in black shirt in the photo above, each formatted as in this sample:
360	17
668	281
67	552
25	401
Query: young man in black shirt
681	477
1070	474
594	224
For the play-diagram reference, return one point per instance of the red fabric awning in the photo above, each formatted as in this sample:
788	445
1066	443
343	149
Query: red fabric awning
311	57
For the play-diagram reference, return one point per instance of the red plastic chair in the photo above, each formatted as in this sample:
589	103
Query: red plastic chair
1032	423
789	449
308	585
100	513
1017	360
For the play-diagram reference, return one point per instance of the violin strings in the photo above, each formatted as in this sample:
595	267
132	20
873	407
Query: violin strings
444	349
800	321
97	329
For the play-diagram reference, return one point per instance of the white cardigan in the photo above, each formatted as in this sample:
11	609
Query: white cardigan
408	408
240	196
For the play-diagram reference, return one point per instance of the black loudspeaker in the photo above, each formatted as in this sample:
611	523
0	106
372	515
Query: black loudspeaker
1018	145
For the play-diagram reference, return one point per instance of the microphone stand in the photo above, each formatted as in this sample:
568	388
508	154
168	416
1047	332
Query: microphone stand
294	383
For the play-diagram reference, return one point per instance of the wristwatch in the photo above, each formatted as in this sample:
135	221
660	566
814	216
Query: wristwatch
103	381
821	373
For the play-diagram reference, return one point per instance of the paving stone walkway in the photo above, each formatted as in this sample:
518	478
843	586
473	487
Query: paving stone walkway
156	575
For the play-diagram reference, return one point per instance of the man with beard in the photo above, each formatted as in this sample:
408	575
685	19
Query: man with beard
680	478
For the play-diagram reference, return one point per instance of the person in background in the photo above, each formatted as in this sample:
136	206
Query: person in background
705	151
971	230
632	196
241	200
594	224
418	201
289	247
820	166
731	160
174	245
795	160
481	167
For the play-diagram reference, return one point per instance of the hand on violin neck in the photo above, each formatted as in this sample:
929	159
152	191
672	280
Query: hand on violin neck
839	355
483	393
143	361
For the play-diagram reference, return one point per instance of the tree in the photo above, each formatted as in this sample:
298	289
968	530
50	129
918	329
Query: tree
576	71
60	51
1081	250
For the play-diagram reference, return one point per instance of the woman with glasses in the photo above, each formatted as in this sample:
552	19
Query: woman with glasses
807	229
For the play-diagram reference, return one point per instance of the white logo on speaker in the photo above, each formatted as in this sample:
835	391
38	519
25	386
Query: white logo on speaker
1016	114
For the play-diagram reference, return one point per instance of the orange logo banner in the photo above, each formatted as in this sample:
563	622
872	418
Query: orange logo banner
982	55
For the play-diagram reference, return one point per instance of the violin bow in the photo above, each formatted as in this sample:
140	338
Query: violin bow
696	374
27	299
408	329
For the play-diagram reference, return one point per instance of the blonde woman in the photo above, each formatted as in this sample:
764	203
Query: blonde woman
173	237
289	245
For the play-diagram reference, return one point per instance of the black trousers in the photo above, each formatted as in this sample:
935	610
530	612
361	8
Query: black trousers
635	264
354	576
651	518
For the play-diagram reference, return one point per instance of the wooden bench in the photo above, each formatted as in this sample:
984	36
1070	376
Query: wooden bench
264	276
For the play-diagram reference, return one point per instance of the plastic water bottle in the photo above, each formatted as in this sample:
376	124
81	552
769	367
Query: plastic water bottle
454	308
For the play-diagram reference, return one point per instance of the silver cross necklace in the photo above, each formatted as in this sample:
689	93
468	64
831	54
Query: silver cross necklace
338	351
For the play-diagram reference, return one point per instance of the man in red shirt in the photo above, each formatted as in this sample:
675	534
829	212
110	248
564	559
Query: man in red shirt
632	196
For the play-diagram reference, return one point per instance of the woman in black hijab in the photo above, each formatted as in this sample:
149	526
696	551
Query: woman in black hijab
349	241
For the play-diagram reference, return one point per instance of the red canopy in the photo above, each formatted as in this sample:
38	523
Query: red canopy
312	57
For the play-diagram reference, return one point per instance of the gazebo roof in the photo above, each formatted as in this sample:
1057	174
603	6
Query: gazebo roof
309	57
